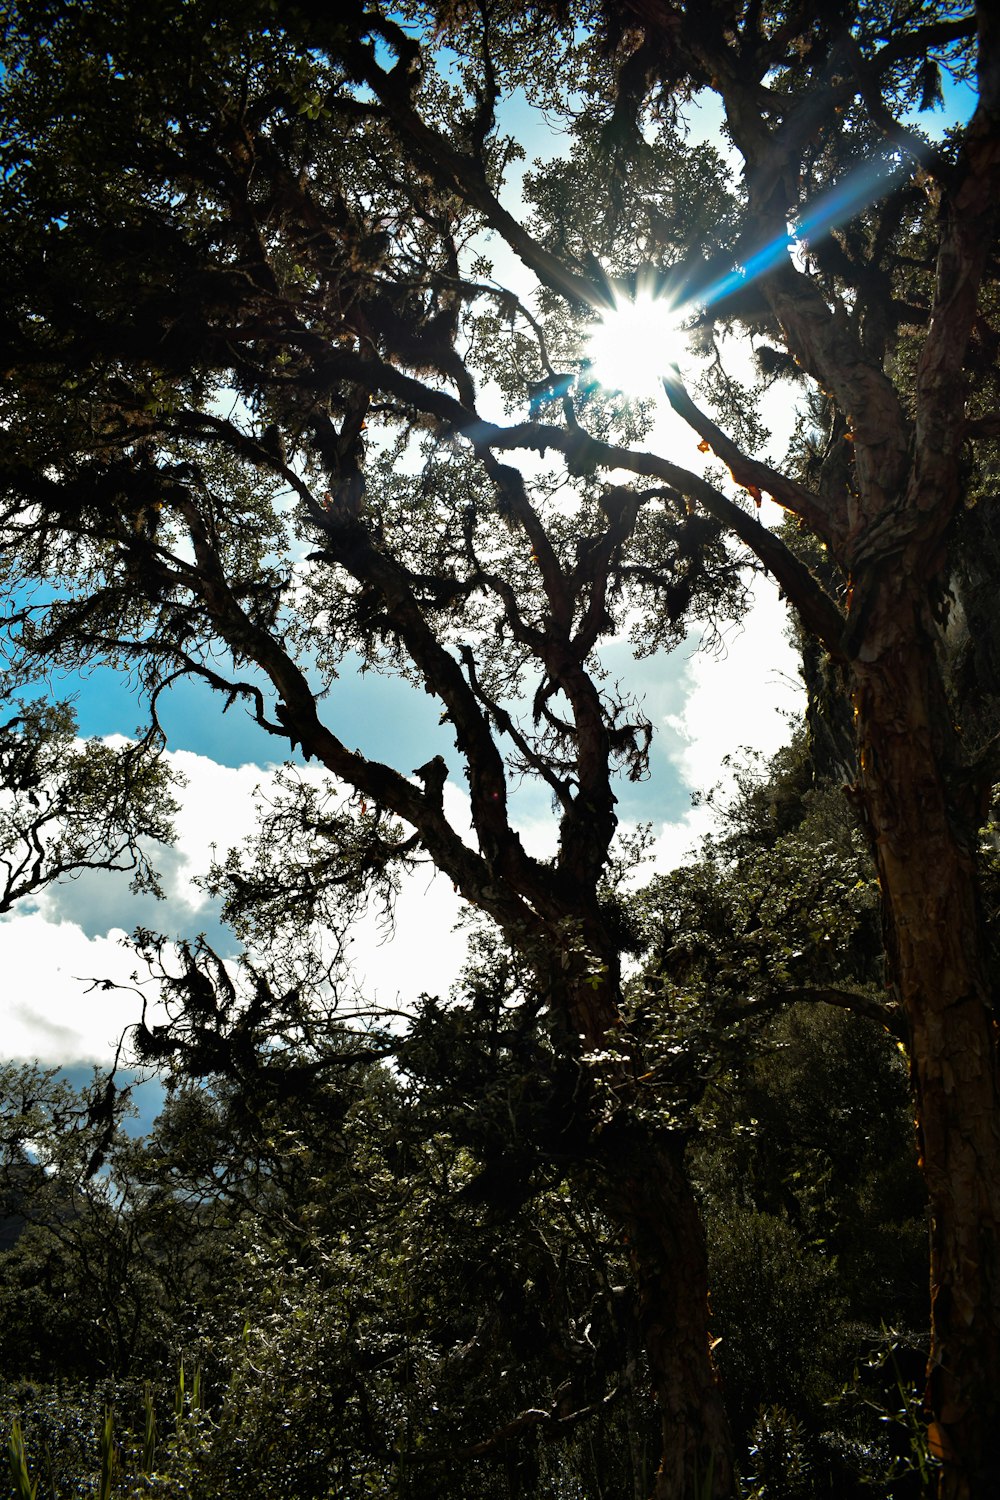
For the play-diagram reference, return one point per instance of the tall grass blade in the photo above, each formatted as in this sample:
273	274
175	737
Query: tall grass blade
149	1430
17	1459
107	1456
179	1394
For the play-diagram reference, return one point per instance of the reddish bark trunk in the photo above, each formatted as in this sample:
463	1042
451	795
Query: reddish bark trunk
924	851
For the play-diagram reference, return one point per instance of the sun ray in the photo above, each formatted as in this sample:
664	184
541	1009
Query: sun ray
636	342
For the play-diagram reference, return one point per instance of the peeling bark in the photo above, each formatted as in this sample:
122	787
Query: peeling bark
936	946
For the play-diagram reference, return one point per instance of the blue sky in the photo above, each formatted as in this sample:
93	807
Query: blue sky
370	707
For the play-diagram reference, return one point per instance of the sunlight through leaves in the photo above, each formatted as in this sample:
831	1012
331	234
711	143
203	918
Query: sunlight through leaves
635	344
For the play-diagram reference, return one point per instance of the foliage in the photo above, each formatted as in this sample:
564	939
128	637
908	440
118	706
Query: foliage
418	1250
68	806
339	1267
801	1143
354	1248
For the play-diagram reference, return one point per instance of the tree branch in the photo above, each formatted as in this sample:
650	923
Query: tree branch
819	613
889	1016
751	473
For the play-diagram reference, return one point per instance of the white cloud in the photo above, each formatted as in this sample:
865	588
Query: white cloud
421	953
52	1010
57	949
218	810
54	948
738	697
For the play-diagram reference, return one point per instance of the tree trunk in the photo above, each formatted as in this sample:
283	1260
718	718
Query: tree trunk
648	1195
652	1198
924	850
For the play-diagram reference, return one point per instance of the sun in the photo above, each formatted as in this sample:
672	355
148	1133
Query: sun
635	343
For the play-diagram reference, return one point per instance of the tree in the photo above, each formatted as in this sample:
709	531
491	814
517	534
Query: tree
316	1233
103	1261
814	1207
249	314
69	806
906	431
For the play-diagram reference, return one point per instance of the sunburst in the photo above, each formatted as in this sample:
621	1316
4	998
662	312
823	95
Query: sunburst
635	344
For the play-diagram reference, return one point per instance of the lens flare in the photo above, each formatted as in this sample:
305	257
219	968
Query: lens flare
856	192
635	343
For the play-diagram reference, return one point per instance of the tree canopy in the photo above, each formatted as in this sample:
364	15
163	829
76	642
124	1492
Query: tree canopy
268	401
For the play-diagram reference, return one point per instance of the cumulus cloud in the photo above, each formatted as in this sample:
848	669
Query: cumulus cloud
52	1008
58	949
741	696
65	952
420	953
71	935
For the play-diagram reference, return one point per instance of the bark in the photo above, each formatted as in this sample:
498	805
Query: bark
647	1193
923	844
653	1200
